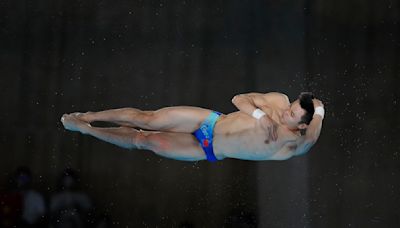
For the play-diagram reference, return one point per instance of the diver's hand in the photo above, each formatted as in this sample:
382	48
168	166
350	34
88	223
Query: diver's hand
317	103
318	109
271	126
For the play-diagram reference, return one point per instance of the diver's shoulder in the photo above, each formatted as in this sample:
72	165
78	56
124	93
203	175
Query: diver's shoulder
277	98
277	95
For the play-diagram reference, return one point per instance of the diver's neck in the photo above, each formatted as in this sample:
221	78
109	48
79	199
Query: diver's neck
295	131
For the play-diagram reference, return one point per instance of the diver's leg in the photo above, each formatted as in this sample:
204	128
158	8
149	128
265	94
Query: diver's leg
178	146
121	116
121	136
184	119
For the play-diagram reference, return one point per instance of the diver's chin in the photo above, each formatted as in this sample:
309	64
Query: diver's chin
291	128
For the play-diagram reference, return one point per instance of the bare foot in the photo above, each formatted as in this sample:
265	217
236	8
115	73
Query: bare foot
72	123
86	117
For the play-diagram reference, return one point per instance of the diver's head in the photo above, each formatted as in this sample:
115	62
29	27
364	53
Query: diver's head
299	115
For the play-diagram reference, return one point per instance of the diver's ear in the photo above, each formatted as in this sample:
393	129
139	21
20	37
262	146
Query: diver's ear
302	126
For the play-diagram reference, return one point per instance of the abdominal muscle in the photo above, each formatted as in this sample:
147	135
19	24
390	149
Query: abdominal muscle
238	135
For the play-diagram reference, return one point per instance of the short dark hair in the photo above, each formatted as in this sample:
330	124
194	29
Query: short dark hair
306	103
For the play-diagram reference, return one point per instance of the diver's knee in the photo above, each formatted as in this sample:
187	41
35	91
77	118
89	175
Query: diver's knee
154	120
148	141
140	140
148	117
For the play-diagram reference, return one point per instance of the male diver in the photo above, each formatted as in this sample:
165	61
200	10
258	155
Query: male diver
266	127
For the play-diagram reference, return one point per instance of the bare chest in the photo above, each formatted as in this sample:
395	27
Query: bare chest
241	136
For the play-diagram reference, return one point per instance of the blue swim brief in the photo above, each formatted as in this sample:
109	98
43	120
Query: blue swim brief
205	135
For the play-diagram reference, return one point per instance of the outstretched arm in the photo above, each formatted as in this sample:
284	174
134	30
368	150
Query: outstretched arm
312	133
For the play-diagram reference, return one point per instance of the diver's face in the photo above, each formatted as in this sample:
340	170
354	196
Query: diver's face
292	116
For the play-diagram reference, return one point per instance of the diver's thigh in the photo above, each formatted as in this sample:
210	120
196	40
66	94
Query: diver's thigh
184	119
179	146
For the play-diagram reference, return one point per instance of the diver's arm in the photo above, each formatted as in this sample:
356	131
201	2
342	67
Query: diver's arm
249	102
311	137
312	133
314	128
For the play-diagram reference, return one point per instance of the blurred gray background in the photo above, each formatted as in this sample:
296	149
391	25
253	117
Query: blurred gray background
64	56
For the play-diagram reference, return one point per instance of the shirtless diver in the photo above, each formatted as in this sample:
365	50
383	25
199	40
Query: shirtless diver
266	127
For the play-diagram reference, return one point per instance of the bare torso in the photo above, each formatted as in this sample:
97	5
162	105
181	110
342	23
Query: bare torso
238	135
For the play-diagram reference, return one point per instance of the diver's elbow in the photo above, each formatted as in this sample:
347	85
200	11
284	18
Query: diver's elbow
236	98
311	140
